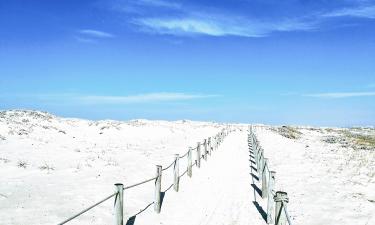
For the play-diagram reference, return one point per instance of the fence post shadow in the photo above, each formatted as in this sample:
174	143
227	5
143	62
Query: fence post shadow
162	195
260	210
256	189
253	185
255	176
131	220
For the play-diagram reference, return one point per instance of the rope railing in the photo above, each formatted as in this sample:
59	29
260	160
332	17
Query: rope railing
276	201
184	173
208	145
140	183
193	149
87	209
184	155
169	166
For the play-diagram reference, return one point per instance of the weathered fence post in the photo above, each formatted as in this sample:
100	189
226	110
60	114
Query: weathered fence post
119	204
251	144
256	150
281	199
199	155
189	166
158	189
176	173
261	160
270	203
205	149
260	154
264	179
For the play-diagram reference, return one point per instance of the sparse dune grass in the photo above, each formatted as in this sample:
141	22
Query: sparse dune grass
358	145
367	141
47	167
288	132
360	140
22	164
357	138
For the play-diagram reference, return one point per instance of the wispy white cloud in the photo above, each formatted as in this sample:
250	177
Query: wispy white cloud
180	18
96	33
218	26
191	26
362	11
188	19
141	98
341	94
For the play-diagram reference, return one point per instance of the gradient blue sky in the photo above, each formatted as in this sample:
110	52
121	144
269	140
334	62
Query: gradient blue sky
268	61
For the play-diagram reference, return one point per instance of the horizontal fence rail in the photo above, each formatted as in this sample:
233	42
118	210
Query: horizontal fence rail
277	212
87	209
207	146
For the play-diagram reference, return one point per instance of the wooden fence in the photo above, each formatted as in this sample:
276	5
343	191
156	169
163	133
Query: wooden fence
202	150
277	211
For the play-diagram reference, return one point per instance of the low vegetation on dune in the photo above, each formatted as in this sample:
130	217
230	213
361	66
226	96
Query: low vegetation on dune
22	164
47	167
358	145
361	141
288	132
357	138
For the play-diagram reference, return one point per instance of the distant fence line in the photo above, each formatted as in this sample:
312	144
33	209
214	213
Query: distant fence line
276	201
209	145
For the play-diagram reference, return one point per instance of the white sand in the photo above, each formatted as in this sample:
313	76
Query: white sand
86	158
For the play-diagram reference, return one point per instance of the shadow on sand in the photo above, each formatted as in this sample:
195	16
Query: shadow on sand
256	190
131	220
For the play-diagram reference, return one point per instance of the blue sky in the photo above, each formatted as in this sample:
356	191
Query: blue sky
276	62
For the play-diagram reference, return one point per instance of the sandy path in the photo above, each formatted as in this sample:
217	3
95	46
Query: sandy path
220	192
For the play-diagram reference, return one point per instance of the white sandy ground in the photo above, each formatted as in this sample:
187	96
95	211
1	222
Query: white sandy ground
325	183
